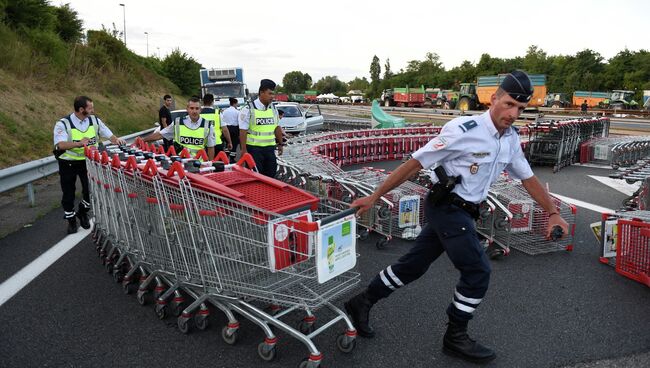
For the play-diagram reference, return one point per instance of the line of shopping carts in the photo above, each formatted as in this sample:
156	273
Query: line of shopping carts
169	228
557	143
615	151
625	242
313	162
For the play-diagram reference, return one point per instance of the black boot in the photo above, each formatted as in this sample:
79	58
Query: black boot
457	343
359	310
83	219
72	225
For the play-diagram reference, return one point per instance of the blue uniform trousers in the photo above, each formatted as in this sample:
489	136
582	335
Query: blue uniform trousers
449	229
265	159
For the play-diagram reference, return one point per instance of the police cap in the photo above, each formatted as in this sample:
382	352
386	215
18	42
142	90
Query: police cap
518	85
267	84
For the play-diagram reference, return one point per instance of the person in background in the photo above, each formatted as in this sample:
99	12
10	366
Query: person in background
71	134
165	118
583	107
210	113
230	117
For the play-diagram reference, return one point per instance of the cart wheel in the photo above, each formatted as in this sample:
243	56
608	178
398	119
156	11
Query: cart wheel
347	198
266	351
229	338
382	243
201	321
128	287
183	324
383	213
306	363
161	311
496	254
177	308
501	224
345	343
555	169
141	296
364	234
306	327
117	276
109	266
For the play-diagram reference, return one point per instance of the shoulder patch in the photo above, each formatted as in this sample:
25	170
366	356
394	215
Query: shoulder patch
468	125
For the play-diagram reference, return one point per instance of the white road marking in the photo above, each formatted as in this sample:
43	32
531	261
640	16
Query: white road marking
618	184
579	203
20	279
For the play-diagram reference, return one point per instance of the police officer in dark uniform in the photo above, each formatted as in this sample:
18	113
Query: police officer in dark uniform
71	134
471	152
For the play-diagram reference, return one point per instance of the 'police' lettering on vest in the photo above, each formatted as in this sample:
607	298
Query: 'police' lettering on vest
193	141
264	121
91	141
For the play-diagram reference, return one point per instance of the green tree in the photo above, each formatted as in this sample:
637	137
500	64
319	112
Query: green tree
330	84
357	83
375	73
68	25
183	70
387	72
296	82
30	14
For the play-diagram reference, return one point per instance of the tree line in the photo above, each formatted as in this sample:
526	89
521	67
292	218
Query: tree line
586	70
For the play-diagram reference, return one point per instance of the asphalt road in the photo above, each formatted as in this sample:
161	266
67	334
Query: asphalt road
560	309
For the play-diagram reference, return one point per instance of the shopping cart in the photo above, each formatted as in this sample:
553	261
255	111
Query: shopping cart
222	249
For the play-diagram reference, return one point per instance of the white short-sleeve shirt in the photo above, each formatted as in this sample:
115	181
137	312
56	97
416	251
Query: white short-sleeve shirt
471	147
61	134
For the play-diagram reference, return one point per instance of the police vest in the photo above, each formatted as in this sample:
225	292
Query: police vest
192	139
210	114
76	135
261	127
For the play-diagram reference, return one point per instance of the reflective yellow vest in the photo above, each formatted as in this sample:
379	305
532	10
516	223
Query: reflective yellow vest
261	127
208	113
76	135
192	139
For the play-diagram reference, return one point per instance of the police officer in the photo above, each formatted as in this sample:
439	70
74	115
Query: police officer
71	134
230	117
259	132
208	112
191	131
475	150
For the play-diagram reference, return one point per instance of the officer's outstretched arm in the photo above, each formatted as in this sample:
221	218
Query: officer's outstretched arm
153	137
397	177
541	196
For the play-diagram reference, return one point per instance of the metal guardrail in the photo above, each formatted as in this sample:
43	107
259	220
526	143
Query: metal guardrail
24	174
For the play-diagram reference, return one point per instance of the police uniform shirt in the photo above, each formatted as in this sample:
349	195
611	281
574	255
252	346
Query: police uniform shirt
230	116
245	114
470	147
61	134
168	132
216	111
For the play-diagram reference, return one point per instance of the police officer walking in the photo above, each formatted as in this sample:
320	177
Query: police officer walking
208	112
259	131
471	152
191	131
230	117
71	134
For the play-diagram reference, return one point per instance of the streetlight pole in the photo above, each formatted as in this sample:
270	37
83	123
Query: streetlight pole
124	18
147	34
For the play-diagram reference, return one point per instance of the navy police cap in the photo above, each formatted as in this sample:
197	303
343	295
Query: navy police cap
518	85
267	84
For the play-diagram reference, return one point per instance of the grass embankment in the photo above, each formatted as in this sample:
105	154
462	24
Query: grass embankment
40	75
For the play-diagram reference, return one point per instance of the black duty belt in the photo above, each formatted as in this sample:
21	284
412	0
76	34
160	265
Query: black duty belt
472	209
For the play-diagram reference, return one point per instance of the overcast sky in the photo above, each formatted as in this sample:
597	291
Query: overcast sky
271	38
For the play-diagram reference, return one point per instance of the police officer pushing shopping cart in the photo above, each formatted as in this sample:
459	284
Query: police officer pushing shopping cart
471	152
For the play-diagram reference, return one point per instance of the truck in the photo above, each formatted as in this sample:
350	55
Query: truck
411	97
556	99
281	97
594	99
224	83
477	96
620	99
